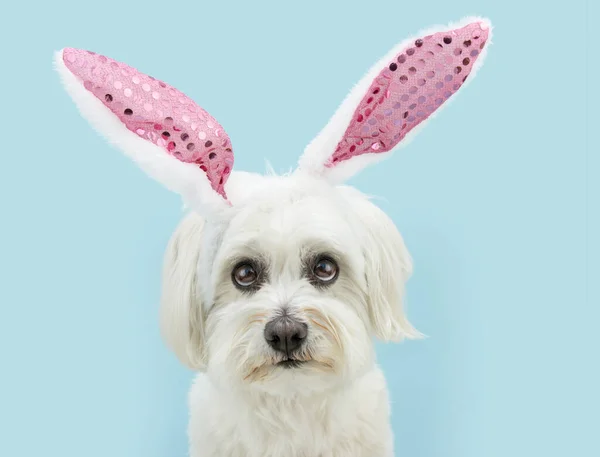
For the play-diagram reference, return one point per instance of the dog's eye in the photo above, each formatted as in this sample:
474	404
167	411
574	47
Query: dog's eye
244	275
325	270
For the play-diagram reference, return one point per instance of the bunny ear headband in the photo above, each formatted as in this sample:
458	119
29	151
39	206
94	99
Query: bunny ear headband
186	149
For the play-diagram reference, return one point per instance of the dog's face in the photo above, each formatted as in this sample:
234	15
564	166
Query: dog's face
299	283
290	292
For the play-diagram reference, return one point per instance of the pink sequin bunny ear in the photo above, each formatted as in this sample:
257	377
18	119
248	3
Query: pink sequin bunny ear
399	93
163	131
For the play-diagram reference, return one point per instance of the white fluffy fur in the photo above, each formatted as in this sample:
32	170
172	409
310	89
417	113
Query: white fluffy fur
243	404
318	152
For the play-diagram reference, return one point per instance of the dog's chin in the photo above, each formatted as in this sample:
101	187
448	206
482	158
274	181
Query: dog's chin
291	375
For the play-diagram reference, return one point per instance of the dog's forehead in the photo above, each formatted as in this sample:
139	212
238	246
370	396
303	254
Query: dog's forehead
290	209
291	213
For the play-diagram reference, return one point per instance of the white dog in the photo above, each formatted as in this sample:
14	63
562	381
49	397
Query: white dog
274	286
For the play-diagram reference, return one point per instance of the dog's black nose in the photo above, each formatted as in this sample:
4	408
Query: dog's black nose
285	334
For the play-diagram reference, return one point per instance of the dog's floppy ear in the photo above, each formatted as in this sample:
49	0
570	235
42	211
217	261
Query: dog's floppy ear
163	131
388	266
399	93
182	319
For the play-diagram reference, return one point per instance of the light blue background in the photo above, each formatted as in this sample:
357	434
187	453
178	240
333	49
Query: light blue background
497	199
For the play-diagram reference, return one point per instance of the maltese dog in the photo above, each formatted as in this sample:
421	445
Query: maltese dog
275	287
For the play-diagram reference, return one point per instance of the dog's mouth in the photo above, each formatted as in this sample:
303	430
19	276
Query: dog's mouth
290	363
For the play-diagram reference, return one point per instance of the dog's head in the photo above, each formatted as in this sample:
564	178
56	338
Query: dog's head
279	282
296	283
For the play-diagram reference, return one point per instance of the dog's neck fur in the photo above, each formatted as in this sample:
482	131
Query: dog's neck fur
348	421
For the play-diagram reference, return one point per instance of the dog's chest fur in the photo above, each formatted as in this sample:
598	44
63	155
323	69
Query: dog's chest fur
350	422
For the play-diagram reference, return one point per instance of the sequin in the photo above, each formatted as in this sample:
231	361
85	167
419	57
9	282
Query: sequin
411	96
135	109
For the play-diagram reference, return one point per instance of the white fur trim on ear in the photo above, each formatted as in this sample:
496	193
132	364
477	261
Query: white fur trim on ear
183	178
318	153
